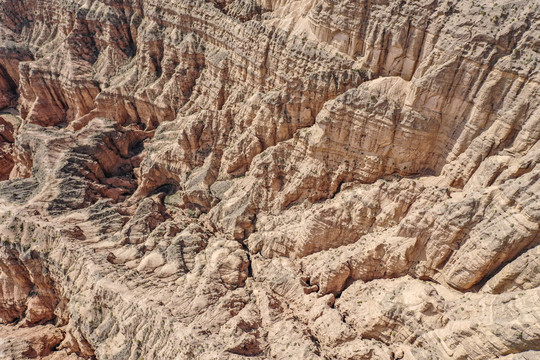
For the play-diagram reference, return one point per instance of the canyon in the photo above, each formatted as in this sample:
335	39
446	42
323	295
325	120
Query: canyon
269	179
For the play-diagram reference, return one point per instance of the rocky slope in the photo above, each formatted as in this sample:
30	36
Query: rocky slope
319	179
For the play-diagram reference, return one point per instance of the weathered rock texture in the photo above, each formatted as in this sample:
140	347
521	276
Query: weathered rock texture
319	179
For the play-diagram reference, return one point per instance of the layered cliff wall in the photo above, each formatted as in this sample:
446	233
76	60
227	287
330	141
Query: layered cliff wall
274	179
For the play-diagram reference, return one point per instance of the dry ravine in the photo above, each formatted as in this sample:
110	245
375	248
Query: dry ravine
294	179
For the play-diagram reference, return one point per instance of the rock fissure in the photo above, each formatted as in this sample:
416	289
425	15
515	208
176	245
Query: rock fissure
353	179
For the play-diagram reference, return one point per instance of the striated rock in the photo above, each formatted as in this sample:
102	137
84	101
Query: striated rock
521	274
341	179
9	124
13	51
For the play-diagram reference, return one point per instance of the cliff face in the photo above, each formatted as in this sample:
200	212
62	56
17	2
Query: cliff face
340	179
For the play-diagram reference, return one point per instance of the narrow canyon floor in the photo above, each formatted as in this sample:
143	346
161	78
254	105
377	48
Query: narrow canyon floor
249	179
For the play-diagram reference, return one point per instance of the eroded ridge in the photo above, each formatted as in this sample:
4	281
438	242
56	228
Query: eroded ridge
284	179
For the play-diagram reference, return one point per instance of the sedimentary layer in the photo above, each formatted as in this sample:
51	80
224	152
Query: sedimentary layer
344	179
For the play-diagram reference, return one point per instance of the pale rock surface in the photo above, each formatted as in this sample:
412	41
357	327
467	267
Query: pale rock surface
314	179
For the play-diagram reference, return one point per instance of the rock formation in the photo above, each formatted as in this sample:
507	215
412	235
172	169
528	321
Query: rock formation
326	179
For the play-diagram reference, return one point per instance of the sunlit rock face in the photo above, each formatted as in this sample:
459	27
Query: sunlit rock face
307	179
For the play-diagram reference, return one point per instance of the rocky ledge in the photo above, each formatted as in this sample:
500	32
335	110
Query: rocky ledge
313	179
